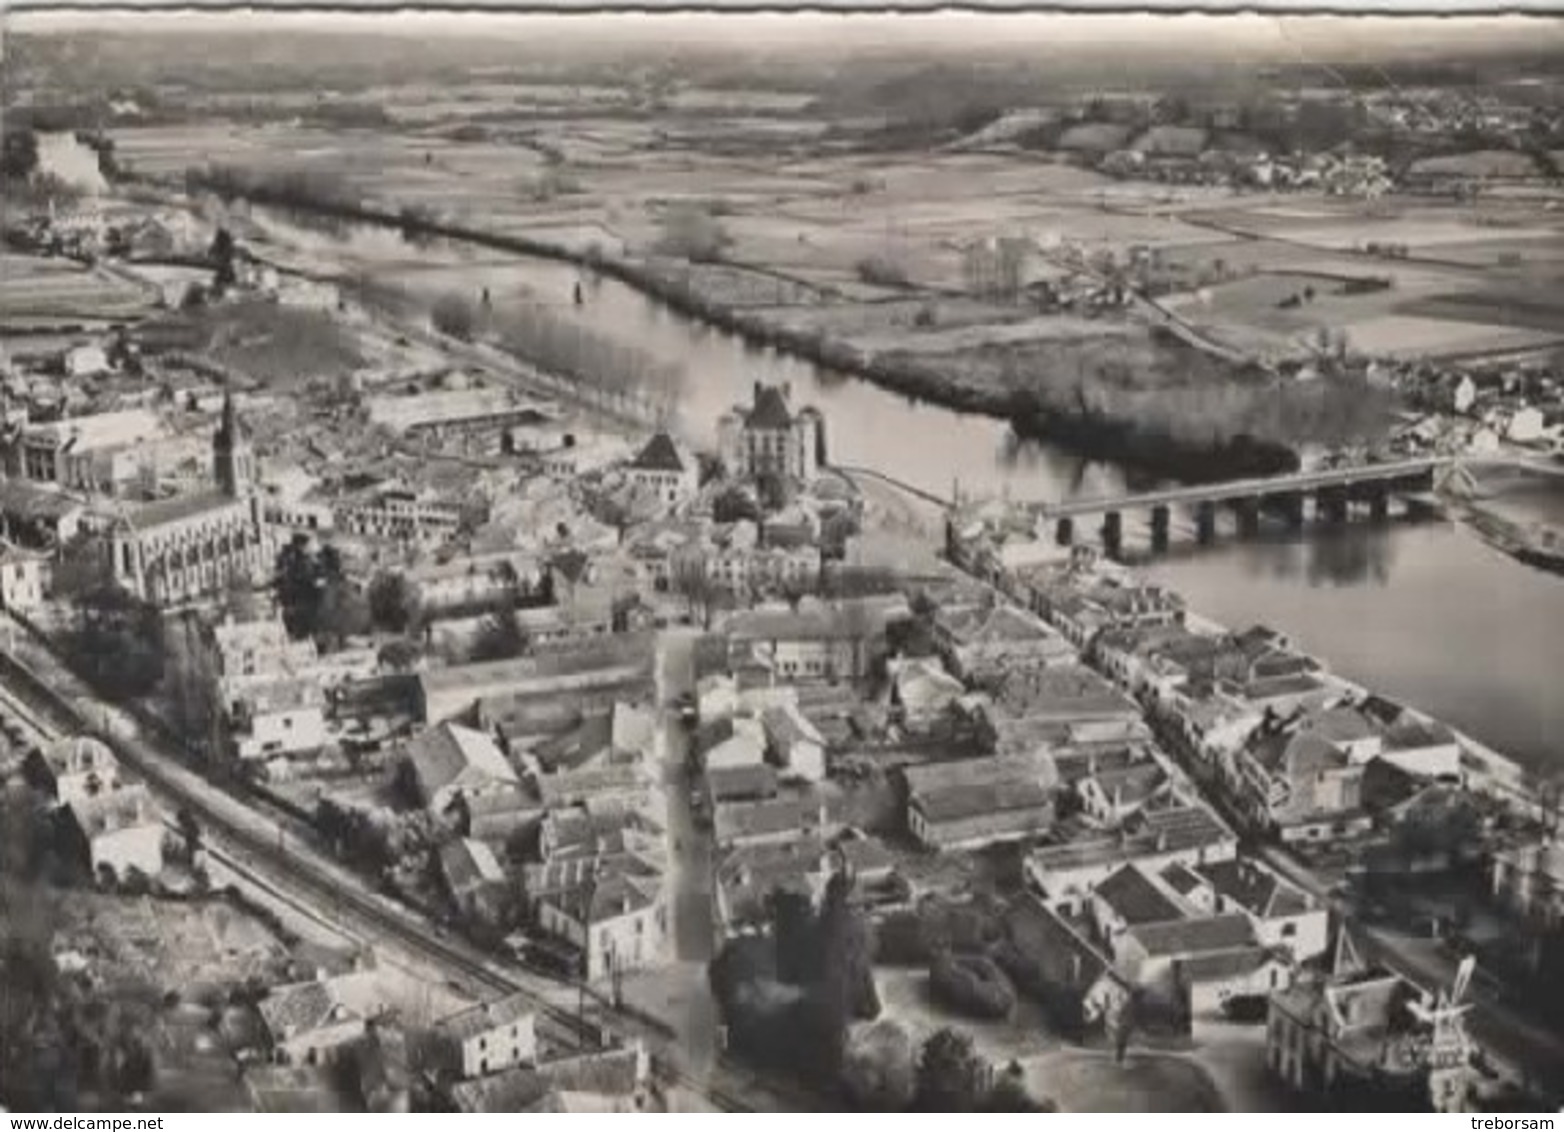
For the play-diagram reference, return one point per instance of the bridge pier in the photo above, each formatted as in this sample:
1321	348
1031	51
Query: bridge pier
1290	505
1112	533
1331	504
1379	505
1160	516
1064	531
1248	516
1205	522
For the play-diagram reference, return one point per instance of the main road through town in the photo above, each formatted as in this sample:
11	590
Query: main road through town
58	701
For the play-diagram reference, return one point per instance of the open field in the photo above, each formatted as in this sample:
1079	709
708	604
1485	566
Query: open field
33	288
1408	336
868	251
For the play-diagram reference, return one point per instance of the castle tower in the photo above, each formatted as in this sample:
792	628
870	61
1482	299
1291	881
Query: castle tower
808	443
232	456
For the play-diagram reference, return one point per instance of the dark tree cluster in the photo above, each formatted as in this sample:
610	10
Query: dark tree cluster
223	255
114	640
788	999
60	1042
316	596
19	157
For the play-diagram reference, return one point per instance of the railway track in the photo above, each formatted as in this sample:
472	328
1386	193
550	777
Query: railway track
49	715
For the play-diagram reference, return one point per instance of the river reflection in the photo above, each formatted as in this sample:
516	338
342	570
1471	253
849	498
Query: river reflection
1324	556
1426	612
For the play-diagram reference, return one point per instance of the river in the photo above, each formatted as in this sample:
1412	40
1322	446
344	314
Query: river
1425	612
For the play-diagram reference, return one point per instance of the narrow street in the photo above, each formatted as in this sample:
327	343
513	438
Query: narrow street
679	993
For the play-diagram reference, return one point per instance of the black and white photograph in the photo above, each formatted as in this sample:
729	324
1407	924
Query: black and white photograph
779	562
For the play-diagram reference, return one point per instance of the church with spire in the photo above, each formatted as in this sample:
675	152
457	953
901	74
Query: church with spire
176	551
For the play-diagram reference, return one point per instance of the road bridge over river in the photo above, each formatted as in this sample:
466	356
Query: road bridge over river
1334	490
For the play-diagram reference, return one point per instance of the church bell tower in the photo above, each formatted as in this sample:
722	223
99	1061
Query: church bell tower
232	455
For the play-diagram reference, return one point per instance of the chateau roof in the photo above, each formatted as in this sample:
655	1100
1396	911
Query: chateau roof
769	410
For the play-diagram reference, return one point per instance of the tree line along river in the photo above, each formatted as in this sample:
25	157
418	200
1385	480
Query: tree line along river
1423	611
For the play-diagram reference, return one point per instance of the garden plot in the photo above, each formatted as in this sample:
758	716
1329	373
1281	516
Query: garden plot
35	287
140	941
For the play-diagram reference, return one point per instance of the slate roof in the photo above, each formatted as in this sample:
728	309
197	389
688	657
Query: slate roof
468	864
1255	888
450	755
734	820
1181	878
1195	936
607	897
149	516
930	777
1132	895
769	410
1054	951
758	780
975	799
486	1016
659	455
785	724
1219	966
1180	827
577	745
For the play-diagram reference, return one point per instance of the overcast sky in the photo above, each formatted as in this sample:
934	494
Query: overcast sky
953	28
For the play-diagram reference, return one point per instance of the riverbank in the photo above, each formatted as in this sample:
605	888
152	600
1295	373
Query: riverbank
1519	512
1068	416
1534	544
1484	769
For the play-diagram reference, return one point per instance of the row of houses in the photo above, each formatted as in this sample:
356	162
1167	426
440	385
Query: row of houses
498	1055
104	817
581	790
